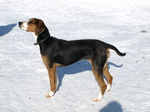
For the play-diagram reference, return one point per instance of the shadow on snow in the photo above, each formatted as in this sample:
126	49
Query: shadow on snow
112	107
6	29
77	68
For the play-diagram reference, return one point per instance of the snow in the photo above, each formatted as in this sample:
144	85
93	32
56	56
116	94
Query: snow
23	76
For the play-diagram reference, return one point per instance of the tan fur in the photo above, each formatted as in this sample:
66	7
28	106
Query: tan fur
107	75
40	27
51	73
37	28
100	80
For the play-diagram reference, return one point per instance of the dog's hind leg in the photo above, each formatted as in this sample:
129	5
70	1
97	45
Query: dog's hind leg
100	81
106	72
108	77
97	68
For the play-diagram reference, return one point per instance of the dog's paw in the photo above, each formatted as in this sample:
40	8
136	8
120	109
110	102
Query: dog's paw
108	88
98	99
50	94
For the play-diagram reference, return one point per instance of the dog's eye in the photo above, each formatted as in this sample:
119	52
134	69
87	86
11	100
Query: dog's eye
31	22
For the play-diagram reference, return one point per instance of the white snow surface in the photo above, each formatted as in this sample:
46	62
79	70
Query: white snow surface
23	77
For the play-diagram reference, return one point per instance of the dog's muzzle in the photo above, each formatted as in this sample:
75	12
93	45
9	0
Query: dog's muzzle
20	23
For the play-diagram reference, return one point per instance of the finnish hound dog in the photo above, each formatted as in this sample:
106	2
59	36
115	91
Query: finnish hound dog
58	53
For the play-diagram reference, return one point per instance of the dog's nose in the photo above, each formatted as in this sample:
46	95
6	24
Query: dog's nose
20	23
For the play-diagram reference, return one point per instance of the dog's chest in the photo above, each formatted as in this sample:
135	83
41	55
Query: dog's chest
35	37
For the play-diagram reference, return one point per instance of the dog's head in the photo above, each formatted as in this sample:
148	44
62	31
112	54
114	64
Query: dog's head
33	25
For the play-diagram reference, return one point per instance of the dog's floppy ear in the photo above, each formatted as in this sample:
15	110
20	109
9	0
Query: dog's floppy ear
40	27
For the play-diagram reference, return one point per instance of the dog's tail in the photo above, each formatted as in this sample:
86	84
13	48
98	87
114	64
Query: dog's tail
115	49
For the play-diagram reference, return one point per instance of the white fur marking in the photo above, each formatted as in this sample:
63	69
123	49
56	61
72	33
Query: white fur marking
35	36
108	87
51	93
24	26
99	97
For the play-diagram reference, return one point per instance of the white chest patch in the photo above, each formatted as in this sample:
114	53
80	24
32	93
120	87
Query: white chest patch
35	37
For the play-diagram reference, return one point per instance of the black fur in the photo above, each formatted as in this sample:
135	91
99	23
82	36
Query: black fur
68	52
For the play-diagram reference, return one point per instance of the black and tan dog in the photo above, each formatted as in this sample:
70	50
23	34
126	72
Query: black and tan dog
57	52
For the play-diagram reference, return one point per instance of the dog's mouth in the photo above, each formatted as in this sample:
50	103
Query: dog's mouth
23	26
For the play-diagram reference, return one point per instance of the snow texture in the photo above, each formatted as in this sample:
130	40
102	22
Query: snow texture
23	76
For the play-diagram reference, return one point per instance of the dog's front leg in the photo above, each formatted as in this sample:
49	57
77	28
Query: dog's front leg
52	76
53	81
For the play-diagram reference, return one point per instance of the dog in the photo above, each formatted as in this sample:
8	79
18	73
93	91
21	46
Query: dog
58	53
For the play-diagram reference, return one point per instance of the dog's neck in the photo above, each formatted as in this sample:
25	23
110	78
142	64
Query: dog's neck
42	37
35	36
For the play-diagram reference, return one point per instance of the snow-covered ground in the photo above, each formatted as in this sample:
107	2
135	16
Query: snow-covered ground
23	77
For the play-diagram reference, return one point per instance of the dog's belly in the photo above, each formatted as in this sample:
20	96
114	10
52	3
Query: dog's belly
68	60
